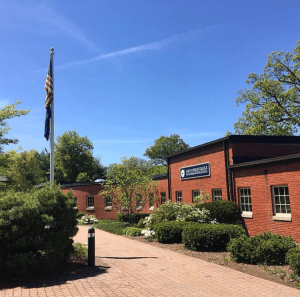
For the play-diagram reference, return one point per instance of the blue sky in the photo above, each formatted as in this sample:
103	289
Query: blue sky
128	72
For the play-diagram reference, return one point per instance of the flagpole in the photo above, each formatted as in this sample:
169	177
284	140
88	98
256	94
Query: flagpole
52	123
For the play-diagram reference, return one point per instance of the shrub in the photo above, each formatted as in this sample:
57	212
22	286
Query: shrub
293	259
169	232
80	215
113	226
131	218
223	211
265	248
79	253
87	219
209	237
35	230
132	231
184	212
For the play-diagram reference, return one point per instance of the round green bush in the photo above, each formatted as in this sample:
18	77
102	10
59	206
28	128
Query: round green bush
223	211
293	259
209	237
169	232
35	230
265	248
132	231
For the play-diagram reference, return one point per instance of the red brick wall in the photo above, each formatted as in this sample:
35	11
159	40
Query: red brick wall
217	180
260	179
81	192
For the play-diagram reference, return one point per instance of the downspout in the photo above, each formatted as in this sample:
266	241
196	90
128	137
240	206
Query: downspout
169	180
228	181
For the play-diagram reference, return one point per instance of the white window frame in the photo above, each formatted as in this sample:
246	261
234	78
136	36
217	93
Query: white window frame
90	202
163	197
195	193
108	203
281	201
245	202
216	194
178	196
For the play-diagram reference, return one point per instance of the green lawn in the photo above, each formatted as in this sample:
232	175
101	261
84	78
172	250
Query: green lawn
113	226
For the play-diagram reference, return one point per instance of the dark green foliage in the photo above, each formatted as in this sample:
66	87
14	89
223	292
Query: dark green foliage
224	211
132	231
293	259
132	218
169	232
265	248
35	230
80	215
209	237
113	226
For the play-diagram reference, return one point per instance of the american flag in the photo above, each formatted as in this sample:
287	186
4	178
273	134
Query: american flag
49	99
49	86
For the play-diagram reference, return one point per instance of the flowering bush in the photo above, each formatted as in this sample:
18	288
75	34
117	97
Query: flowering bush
183	212
148	233
87	219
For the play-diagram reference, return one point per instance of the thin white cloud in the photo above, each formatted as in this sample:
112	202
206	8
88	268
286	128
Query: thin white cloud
153	46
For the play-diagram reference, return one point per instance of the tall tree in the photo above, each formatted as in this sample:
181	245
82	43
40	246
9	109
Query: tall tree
129	186
74	159
273	102
163	147
6	113
23	170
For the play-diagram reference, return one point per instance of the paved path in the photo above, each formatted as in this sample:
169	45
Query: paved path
138	269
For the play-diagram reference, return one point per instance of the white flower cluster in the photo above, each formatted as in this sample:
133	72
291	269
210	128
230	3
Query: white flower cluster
88	219
147	233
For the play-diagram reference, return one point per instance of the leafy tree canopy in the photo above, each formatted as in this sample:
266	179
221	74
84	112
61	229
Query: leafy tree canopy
74	159
273	102
129	185
165	146
6	113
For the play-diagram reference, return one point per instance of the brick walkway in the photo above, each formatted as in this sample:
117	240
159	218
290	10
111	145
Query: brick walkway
137	269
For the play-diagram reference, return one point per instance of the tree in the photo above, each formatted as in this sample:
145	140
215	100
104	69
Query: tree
129	186
163	147
6	113
74	159
22	170
273	102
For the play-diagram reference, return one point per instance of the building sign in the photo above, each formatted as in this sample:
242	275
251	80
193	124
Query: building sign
199	170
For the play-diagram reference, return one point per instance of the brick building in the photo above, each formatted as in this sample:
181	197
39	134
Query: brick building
260	173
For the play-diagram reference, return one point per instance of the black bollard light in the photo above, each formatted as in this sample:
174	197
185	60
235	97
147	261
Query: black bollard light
91	246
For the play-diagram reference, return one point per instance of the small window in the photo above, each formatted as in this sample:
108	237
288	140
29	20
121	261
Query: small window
139	203
245	202
108	201
179	196
216	194
90	201
151	200
75	199
281	201
163	197
195	193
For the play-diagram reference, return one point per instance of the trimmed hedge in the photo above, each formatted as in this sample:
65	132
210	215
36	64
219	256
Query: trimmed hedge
169	232
265	248
132	231
293	259
131	218
223	211
35	230
209	237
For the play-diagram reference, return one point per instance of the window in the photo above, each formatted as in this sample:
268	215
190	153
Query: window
163	197
281	202
245	202
217	194
178	196
139	203
90	202
151	200
195	193
108	202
